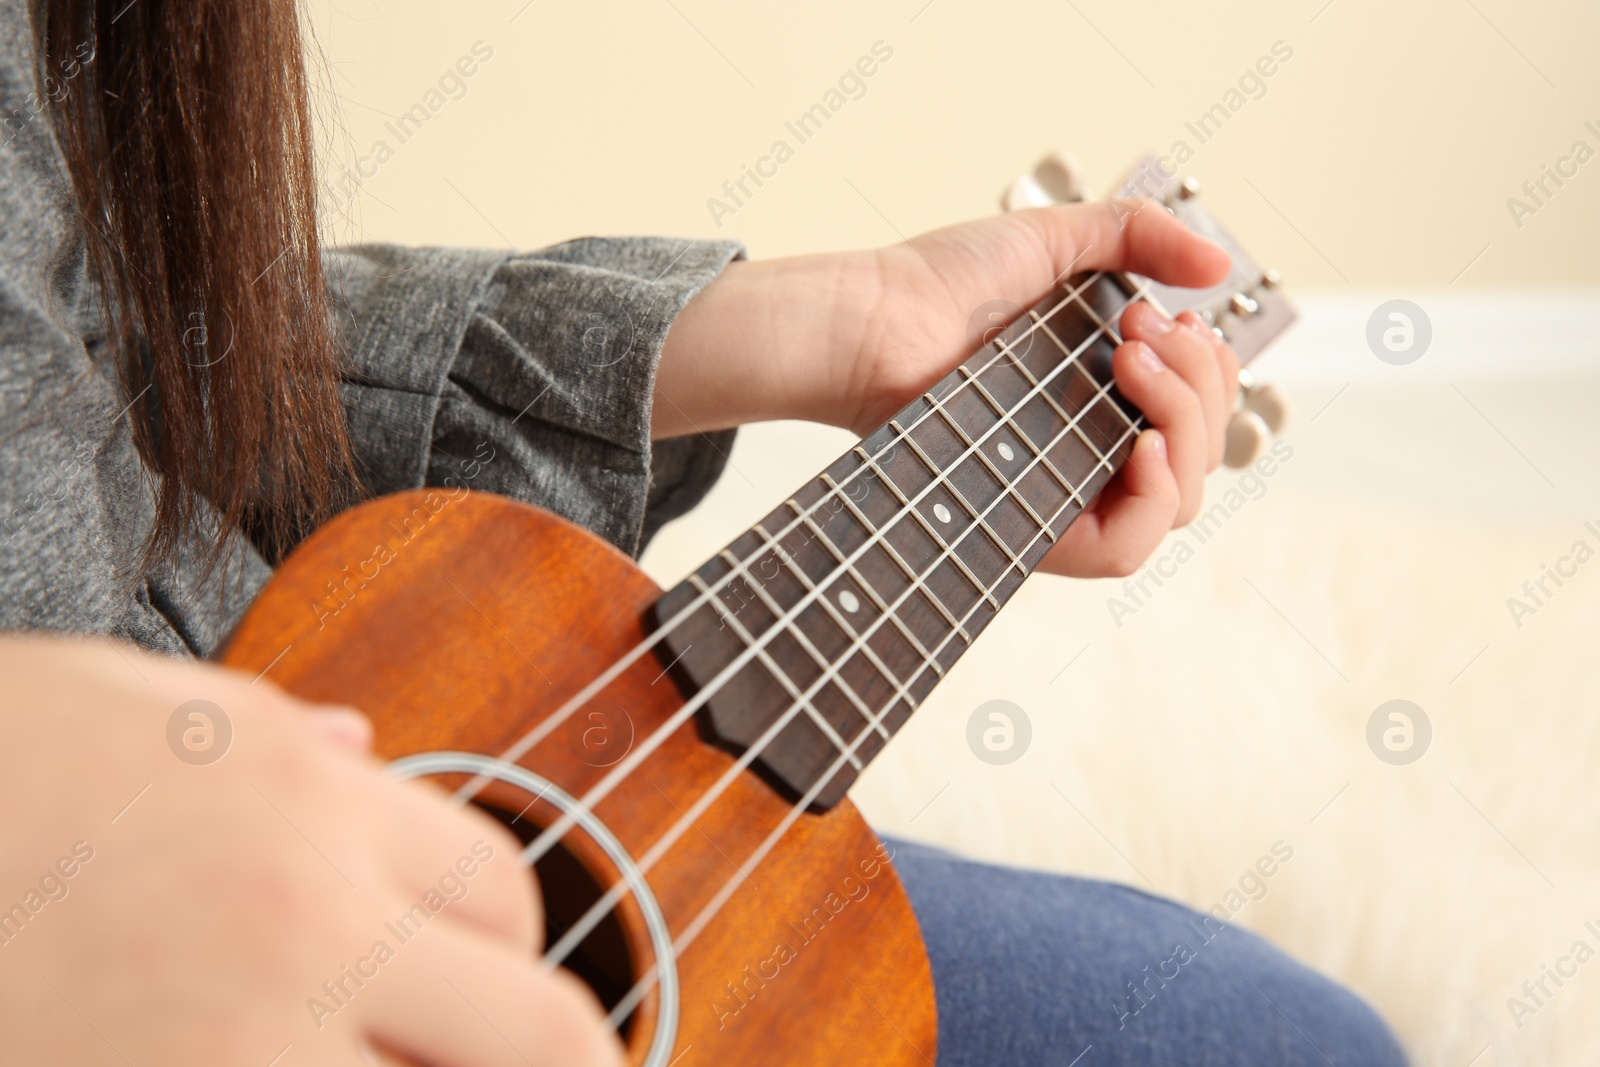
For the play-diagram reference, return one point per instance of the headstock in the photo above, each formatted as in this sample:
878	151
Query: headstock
1247	309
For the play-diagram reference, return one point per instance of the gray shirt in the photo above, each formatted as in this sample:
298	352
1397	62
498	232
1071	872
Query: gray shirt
528	374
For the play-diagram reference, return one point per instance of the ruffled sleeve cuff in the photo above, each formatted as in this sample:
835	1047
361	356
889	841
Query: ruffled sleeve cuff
526	374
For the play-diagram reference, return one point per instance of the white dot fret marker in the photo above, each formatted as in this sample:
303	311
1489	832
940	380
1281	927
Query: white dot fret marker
848	601
1005	452
941	513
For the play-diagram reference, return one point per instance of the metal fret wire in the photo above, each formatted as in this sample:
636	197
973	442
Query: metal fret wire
865	586
805	642
608	902
707	913
542	844
553	721
840	621
779	675
603	788
928	527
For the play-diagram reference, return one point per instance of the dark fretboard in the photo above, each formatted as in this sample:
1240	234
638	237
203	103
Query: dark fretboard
825	625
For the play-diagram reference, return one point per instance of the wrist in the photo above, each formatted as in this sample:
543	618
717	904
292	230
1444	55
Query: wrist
774	339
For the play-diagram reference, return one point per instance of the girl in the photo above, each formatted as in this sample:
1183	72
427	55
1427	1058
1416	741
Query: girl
189	384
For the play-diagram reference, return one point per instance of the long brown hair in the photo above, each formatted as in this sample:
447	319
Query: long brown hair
187	132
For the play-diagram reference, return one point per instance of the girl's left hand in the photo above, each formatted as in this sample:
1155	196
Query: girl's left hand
849	339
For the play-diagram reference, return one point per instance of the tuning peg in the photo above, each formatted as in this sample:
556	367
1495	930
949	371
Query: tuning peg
1025	192
1266	401
1061	176
1247	437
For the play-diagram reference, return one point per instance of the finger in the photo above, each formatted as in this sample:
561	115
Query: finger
424	842
1171	406
1023	255
458	1000
1126	521
1139	236
461	861
1195	358
344	1051
343	727
1227	359
383	1057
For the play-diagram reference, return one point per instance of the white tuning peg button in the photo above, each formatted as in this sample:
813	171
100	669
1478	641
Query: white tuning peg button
1247	438
1062	177
1267	402
1025	192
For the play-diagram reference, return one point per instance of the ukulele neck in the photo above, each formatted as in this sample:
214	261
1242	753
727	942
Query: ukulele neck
823	627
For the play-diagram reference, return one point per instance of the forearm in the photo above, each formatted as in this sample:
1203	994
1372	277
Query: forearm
775	339
850	339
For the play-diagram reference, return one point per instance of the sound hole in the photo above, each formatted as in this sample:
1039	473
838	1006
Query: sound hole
602	959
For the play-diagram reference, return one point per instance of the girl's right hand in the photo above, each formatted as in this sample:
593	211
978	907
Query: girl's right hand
286	903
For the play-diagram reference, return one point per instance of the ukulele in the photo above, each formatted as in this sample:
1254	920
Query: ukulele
675	765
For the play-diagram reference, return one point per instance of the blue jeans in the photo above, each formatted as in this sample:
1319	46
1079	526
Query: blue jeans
1033	969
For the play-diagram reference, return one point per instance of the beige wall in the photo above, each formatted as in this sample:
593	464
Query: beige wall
1389	143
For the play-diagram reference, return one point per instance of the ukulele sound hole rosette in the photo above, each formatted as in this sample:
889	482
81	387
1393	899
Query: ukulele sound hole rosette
665	972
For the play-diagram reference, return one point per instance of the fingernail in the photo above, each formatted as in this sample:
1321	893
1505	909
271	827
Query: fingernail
1153	321
1158	441
1196	323
346	727
1147	358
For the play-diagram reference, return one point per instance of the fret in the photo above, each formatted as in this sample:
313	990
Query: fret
1022	439
957	572
797	563
1091	309
844	512
867	587
901	473
968	428
1032	346
1106	300
1020	335
737	598
1098	349
1070	374
1068	423
882	671
1040	423
946	447
824	663
1072	423
1119	454
895	573
1007	382
947	516
1007	488
876	576
837	614
981	566
783	679
917	579
787	581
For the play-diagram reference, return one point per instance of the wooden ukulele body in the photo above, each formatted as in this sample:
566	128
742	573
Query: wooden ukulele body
461	621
